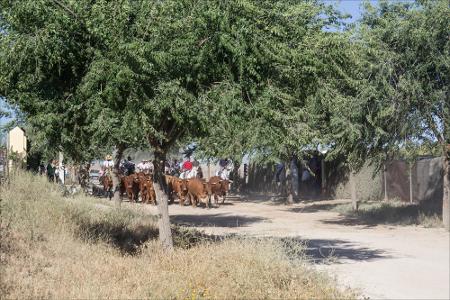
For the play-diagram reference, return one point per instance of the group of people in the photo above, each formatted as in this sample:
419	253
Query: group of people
189	168
52	170
184	169
127	166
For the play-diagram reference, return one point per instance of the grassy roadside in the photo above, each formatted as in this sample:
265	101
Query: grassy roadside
394	212
54	247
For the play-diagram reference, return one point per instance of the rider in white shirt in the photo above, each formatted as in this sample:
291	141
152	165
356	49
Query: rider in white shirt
224	169
146	166
107	165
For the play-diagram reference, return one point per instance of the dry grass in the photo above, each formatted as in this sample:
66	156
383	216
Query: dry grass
394	212
54	247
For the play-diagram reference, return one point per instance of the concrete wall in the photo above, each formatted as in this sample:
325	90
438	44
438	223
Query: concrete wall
426	180
369	185
336	185
426	176
17	141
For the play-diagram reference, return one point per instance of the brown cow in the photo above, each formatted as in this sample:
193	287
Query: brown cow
198	191
219	187
147	191
122	186
176	186
132	187
142	178
168	187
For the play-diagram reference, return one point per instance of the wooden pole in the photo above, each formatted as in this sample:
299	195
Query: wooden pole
322	175
385	182
353	191
410	184
209	170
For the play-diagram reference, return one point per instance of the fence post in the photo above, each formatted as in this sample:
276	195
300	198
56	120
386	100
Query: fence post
410	184
385	182
7	165
323	176
209	170
353	190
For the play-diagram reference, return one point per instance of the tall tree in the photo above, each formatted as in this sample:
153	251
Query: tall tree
409	66
101	74
400	95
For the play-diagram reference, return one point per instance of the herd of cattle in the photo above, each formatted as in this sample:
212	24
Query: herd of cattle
193	190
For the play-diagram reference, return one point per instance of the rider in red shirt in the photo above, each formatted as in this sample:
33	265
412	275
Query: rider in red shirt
187	166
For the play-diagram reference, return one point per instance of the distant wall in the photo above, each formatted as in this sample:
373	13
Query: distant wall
426	176
369	185
426	181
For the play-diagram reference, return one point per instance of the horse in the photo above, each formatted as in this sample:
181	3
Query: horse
107	183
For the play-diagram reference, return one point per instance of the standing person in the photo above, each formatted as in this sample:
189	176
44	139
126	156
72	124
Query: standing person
61	172
41	169
198	169
279	178
167	167
50	171
83	175
55	167
175	168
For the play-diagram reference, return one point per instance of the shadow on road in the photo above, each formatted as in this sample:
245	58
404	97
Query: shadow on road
215	220
313	208
372	214
331	251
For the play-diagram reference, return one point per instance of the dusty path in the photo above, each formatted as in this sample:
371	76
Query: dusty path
393	262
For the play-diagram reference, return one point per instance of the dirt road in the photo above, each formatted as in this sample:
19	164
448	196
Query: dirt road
384	262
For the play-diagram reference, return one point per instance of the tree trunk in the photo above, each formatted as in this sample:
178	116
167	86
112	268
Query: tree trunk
115	175
209	169
353	191
165	233
446	198
290	197
294	179
410	184
236	178
385	182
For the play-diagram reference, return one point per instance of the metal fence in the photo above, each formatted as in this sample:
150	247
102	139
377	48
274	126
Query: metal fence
3	165
418	182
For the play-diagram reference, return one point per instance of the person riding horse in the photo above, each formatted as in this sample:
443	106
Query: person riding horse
224	168
106	177
146	167
127	167
186	168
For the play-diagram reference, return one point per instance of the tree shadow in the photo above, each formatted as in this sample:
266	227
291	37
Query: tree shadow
313	208
215	220
130	239
277	199
387	213
263	198
335	251
127	240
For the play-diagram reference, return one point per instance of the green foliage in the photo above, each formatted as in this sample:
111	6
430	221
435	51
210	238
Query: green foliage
235	75
408	62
